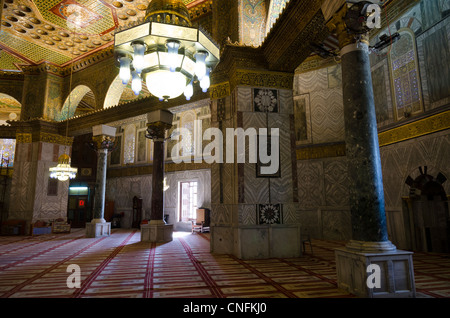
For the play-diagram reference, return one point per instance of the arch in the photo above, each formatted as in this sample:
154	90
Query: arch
10	108
114	93
119	93
72	102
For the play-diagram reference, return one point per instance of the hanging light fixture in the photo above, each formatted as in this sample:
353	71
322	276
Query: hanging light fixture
63	171
166	52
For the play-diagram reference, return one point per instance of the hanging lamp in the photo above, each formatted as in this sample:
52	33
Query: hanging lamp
166	52
63	171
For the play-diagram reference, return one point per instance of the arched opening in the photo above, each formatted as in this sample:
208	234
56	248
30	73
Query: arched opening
80	101
10	108
429	213
118	93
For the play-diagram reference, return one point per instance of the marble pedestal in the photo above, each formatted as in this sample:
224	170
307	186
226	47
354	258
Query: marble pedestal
95	229
157	233
396	273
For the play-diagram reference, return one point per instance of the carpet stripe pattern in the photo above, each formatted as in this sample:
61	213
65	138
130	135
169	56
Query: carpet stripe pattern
121	266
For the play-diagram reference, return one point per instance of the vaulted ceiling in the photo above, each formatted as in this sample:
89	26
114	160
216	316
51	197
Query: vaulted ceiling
58	31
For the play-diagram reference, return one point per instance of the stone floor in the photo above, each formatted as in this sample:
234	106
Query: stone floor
120	266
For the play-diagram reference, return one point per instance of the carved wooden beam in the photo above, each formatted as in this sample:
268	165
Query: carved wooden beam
288	43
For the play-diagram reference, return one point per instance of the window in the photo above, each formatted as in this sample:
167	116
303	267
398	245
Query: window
7	150
188	200
129	149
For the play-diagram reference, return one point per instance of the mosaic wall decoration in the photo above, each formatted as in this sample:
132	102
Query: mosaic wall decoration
7	151
129	145
270	213
141	146
9	107
252	24
116	154
405	76
265	100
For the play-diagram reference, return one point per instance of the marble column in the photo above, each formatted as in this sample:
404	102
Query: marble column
370	243
157	230
103	137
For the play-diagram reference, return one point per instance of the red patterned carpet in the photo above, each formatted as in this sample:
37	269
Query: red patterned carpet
122	266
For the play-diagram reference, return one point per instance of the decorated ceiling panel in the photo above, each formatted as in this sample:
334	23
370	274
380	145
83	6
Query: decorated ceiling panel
57	31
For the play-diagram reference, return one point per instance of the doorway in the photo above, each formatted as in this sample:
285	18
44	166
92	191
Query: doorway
79	210
429	213
188	200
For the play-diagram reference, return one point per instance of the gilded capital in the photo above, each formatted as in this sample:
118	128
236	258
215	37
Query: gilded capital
157	130
339	25
103	141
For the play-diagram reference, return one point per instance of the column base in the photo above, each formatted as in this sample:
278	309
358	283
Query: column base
248	242
157	233
396	276
98	229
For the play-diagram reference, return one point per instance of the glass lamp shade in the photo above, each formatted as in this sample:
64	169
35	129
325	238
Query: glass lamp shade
200	65
205	82
125	70
166	84
189	91
138	57
136	83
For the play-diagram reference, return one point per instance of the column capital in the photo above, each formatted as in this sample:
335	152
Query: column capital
103	142
157	130
347	34
158	122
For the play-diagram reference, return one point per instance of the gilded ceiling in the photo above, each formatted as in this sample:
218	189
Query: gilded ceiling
58	31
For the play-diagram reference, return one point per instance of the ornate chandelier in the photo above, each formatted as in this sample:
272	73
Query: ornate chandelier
166	51
63	171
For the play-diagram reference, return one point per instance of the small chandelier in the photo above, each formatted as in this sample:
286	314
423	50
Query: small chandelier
166	51
63	171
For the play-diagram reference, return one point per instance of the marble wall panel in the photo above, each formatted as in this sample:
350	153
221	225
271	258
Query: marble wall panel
247	214
311	81
310	184
286	101
281	187
335	182
336	225
404	159
244	99
327	116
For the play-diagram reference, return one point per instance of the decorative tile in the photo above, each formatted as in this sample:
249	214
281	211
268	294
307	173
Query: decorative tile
265	100
270	213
